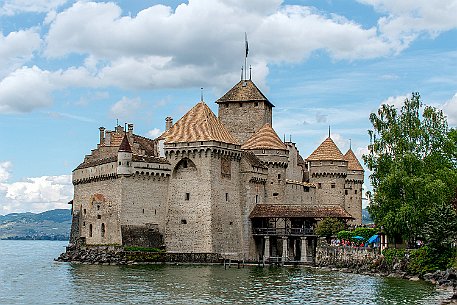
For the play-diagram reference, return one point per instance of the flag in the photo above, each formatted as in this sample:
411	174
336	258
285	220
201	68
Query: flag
247	46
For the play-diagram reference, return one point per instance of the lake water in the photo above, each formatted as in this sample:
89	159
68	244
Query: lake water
28	275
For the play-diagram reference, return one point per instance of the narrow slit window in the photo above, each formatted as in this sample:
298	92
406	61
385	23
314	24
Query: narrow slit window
187	196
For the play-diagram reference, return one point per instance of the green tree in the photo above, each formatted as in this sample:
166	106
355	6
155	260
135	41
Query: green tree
329	227
412	157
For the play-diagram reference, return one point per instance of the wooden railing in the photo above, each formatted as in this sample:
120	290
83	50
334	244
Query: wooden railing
283	231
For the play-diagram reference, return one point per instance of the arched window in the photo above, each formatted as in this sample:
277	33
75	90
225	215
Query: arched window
103	230
90	230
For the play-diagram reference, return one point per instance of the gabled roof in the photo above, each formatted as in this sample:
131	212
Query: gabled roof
298	211
244	91
125	146
353	163
264	138
198	124
327	151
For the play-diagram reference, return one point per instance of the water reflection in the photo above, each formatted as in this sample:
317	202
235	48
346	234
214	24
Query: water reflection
171	284
28	275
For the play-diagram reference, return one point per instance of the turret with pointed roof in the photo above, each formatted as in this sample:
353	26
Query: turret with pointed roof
264	138
244	109
353	162
327	151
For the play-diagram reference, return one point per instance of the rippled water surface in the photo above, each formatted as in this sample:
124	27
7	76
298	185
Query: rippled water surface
28	275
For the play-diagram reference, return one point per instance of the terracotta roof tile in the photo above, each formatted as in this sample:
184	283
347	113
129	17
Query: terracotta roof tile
244	91
125	146
327	151
264	138
353	163
302	211
198	124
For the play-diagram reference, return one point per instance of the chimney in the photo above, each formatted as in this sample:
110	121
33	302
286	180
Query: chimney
102	135
130	129
168	122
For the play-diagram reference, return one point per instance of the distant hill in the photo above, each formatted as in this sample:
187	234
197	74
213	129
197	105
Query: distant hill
49	225
366	218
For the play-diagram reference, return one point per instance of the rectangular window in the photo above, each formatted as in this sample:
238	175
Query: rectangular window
319	185
345	192
332	185
187	196
256	198
226	197
183	221
355	191
99	216
279	176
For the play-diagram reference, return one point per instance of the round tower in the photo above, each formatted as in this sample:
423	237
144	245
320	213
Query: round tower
124	158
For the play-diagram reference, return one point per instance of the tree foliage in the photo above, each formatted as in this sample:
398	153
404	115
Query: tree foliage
329	227
412	157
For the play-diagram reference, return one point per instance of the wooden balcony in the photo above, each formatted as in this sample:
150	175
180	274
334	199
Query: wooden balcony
283	231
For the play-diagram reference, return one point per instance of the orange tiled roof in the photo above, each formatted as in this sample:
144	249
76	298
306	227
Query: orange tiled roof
327	151
264	138
301	211
198	124
353	163
244	91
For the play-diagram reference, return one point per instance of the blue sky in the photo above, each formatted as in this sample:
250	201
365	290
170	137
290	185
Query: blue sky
69	67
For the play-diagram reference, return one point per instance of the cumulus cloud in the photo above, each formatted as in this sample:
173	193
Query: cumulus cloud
12	7
450	109
125	108
154	133
16	48
406	20
5	168
396	101
25	90
36	194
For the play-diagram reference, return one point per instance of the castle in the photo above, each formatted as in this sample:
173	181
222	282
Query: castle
226	185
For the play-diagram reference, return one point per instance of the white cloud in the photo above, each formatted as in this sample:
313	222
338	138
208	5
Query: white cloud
396	101
35	194
154	133
5	168
450	109
25	90
16	48
125	108
12	7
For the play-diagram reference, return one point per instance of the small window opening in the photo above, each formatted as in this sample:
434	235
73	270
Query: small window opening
184	164
90	230
98	207
84	211
279	176
319	185
120	163
155	212
143	211
346	192
183	221
226	197
256	104
241	104
103	230
99	216
256	198
231	223
275	194
84	223
355	191
187	196
332	185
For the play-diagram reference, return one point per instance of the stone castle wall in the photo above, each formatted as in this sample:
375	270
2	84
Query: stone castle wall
353	195
99	211
243	119
329	179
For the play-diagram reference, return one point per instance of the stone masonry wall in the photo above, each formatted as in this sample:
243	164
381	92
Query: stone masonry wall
244	119
94	213
329	178
188	227
353	195
226	219
346	257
